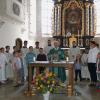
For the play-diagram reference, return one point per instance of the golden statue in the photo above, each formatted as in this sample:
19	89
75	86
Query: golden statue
71	39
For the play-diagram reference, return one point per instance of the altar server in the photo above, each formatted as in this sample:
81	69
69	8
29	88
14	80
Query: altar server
3	62
24	51
9	70
73	51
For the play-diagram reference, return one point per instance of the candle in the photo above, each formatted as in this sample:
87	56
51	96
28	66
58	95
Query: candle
67	59
34	59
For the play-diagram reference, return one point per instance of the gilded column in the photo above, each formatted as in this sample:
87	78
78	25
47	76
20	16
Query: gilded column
82	31
53	32
91	20
87	18
94	20
55	21
70	80
59	20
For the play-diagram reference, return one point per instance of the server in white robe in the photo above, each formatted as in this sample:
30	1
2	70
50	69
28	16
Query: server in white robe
3	62
85	72
48	47
73	51
36	52
36	49
9	69
24	51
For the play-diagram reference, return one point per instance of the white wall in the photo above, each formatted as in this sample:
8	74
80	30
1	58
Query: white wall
10	31
13	29
97	39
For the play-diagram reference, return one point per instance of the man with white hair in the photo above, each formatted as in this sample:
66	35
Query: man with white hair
57	54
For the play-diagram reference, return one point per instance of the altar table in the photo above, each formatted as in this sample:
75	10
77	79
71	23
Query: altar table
66	64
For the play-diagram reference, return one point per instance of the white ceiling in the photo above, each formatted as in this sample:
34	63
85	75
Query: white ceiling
96	1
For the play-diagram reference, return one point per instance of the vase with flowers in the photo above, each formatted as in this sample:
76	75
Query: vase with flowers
46	83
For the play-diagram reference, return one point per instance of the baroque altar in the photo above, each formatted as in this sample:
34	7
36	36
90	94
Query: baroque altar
74	20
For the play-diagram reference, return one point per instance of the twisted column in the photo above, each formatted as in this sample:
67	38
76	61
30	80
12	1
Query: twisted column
55	21
91	20
87	18
94	20
59	20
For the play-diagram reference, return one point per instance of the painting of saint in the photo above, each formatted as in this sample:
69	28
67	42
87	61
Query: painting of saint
87	42
81	42
73	19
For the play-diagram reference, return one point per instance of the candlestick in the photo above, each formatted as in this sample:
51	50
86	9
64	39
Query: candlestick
78	37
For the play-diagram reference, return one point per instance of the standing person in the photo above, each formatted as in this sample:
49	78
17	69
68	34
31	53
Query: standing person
3	63
85	72
48	47
9	70
22	68
36	49
92	56
24	51
58	54
30	57
41	57
14	50
98	66
17	68
77	67
73	51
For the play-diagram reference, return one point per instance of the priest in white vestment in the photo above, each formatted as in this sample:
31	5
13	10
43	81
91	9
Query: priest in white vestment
73	51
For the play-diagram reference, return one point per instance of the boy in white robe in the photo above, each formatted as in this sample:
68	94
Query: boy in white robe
48	47
73	51
9	70
3	62
24	51
85	72
36	49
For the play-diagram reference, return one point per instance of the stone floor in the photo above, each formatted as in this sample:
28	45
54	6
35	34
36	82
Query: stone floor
81	92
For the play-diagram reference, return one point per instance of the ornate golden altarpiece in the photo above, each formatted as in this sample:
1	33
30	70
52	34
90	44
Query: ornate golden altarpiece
74	20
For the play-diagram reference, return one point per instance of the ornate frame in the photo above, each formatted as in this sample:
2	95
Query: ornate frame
66	6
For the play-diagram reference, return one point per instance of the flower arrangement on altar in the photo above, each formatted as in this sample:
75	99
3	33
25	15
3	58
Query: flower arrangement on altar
46	82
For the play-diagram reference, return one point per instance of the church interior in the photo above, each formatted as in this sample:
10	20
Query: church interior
25	24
